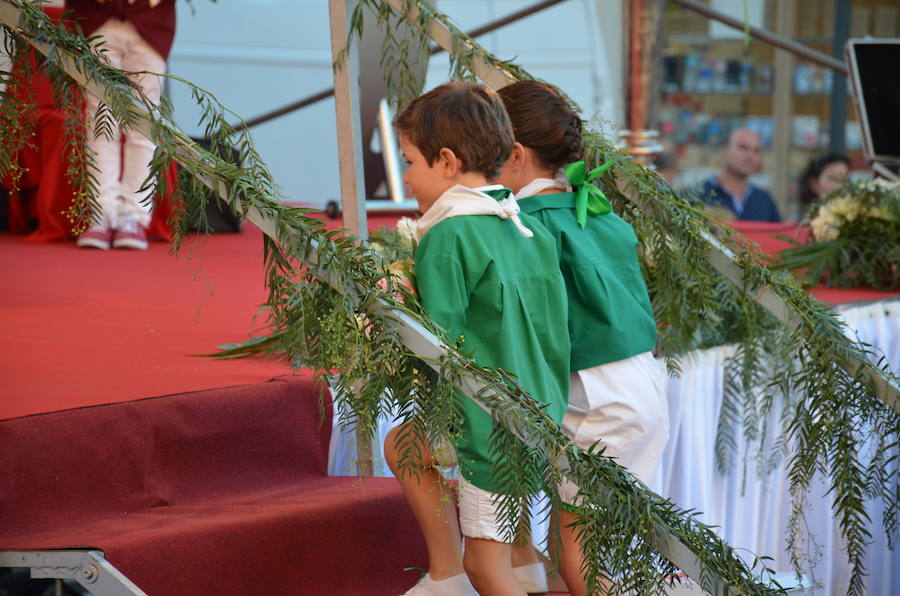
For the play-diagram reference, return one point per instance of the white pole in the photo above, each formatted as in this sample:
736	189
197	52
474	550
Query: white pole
350	161
390	153
346	104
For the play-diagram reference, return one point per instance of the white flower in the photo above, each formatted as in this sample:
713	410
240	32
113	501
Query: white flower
846	207
825	225
879	213
406	227
884	184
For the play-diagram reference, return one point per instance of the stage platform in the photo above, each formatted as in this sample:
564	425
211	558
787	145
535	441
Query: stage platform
88	327
191	475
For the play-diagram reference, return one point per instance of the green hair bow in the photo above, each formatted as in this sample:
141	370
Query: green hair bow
588	198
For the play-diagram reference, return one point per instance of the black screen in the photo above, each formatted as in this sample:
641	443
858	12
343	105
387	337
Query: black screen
878	66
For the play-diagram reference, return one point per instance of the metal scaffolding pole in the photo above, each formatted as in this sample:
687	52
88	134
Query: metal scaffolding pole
773	39
837	117
783	109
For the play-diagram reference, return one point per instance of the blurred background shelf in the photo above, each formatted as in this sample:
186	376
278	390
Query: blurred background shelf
714	81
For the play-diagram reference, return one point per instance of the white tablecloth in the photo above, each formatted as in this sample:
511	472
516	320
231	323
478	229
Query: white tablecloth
750	511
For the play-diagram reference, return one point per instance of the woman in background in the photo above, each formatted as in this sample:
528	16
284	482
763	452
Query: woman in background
822	175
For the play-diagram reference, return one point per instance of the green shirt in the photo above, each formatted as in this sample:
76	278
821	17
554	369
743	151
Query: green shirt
610	317
479	278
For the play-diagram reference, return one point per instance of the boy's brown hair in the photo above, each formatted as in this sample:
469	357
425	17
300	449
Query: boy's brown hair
467	118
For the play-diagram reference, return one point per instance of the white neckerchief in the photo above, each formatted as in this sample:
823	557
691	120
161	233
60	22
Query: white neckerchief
539	184
461	200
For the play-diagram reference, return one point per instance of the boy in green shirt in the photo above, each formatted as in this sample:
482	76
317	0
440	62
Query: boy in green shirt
489	276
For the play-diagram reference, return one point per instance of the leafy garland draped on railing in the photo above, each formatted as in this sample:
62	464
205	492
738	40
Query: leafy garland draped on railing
319	327
828	413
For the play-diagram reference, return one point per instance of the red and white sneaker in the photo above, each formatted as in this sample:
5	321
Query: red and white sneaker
130	235
97	236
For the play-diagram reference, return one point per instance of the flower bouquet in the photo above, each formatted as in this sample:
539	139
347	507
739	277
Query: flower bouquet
855	239
396	247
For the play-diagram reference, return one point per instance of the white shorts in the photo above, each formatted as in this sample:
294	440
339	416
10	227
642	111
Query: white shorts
623	405
480	514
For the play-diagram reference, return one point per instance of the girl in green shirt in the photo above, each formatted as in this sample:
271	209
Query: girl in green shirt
616	386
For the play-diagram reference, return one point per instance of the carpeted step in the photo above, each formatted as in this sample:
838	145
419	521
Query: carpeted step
221	491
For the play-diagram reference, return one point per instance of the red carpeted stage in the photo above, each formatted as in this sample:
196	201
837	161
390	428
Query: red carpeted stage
219	486
84	327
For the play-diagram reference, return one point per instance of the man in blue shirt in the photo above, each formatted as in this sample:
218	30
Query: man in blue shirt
731	189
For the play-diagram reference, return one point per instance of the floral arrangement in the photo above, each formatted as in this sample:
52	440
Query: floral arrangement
396	247
854	240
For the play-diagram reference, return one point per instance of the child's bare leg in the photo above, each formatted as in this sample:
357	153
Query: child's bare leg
528	567
524	555
488	565
431	500
571	559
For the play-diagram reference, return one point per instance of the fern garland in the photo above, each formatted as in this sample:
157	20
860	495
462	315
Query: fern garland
329	313
795	361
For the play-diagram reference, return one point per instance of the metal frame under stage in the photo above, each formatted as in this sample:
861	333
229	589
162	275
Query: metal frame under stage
86	567
95	574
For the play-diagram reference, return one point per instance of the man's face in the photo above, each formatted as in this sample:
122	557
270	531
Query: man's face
426	182
743	154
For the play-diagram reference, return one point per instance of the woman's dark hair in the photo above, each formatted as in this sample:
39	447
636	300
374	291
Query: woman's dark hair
544	121
806	195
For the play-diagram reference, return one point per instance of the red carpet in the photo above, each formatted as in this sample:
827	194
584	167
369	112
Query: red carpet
88	327
217	492
220	491
768	236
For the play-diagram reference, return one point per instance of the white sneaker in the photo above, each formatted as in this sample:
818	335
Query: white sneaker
458	585
532	578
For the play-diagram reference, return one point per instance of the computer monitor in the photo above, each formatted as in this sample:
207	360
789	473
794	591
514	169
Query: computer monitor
874	66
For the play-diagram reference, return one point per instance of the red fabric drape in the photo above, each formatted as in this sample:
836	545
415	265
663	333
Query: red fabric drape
156	24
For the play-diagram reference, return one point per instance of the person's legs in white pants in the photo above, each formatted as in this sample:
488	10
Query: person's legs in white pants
106	147
119	176
139	57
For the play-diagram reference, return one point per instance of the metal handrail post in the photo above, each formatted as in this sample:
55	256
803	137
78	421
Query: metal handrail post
390	154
